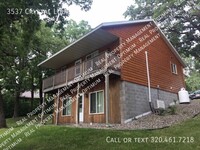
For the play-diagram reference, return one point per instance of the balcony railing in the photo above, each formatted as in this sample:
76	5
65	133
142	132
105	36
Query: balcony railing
85	68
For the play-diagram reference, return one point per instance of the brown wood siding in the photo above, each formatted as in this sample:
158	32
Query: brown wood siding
95	118
159	55
114	108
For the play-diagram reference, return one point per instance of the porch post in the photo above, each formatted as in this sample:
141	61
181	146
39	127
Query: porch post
57	111
77	105
106	74
107	96
43	107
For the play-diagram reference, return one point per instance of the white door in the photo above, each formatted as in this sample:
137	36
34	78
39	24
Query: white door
81	107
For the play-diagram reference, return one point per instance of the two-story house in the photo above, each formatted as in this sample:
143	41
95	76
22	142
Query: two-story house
114	73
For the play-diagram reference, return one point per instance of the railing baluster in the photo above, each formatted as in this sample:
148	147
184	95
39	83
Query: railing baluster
68	75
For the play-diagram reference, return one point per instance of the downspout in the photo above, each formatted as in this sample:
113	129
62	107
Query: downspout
149	82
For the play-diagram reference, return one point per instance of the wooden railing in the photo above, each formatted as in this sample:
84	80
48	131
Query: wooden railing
85	68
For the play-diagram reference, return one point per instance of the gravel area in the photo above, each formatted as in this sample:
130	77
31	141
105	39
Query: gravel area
152	121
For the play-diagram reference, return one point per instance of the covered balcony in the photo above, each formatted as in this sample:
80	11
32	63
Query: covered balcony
82	70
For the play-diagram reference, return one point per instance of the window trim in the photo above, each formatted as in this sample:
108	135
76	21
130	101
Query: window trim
75	64
69	105
90	102
92	56
173	66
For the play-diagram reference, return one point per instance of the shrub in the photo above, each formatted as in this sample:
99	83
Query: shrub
160	111
172	110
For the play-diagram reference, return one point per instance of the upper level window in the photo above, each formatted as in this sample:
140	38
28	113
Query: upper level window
90	61
92	55
174	68
78	67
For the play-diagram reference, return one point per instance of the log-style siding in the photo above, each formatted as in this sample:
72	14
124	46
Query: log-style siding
114	105
160	58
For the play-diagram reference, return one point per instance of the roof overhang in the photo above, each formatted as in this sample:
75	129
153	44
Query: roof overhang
94	40
85	45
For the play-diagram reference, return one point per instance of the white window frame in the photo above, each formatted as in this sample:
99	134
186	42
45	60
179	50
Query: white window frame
67	99
96	102
174	68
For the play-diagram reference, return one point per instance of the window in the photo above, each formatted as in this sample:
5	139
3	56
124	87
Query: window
78	67
174	68
97	102
67	106
89	59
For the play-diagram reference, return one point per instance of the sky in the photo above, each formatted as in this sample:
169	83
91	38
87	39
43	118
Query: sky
101	11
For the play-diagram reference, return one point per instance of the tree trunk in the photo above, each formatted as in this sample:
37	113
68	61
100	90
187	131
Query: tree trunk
16	105
40	84
2	115
32	92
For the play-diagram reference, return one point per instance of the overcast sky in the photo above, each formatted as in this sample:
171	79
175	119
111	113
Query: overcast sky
101	11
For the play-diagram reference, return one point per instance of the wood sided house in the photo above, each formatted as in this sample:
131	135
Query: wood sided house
114	73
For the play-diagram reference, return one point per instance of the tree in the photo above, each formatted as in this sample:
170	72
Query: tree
19	21
73	31
2	115
180	21
193	74
46	41
193	82
53	11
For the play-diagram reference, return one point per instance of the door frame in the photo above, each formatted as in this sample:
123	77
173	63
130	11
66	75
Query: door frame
81	94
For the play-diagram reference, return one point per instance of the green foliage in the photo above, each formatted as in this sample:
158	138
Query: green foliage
161	111
193	81
172	110
27	12
178	19
25	105
25	41
73	31
19	65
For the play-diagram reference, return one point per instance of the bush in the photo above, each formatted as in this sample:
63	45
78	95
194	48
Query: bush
172	110
24	105
160	111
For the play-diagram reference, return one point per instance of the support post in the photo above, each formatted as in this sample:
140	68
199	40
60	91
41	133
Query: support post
77	105
57	109
107	96
43	107
106	74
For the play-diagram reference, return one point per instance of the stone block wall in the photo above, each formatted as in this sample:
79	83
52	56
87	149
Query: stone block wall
134	99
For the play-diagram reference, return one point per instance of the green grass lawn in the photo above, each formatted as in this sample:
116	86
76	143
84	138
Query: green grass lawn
50	137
